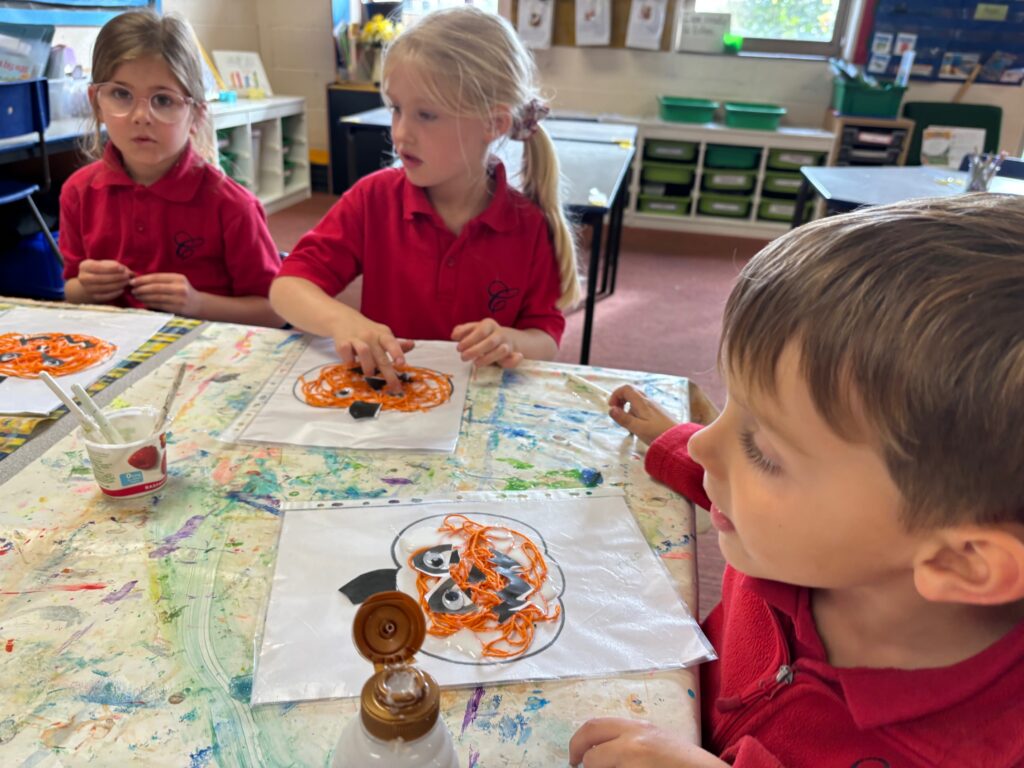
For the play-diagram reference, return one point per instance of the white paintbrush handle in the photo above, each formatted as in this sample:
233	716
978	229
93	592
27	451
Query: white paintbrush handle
596	393
77	412
108	430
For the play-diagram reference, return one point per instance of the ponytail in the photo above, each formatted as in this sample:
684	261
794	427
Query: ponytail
542	184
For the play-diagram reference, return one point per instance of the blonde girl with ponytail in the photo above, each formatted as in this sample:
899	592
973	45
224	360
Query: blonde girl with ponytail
448	249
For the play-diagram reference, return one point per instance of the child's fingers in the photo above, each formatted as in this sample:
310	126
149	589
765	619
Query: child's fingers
459	331
623	418
594	732
497	354
394	349
481	349
104	267
511	361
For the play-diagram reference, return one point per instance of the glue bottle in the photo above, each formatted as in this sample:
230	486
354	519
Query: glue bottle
399	723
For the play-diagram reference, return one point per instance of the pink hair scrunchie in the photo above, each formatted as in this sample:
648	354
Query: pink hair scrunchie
526	125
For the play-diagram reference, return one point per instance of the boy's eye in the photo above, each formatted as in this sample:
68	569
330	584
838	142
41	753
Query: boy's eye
757	458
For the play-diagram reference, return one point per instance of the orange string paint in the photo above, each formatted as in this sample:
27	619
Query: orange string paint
338	386
517	631
24	356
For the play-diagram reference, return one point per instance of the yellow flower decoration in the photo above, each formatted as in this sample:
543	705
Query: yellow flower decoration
379	30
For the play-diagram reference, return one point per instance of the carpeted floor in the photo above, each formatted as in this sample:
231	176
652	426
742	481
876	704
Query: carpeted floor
664	316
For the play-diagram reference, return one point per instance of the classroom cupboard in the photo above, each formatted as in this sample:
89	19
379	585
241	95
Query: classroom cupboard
263	144
717	180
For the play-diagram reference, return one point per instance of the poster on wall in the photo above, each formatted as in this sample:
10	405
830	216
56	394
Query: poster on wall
646	24
593	22
702	32
536	23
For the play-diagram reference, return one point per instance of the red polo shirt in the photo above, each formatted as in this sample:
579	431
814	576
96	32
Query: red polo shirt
772	700
422	280
194	220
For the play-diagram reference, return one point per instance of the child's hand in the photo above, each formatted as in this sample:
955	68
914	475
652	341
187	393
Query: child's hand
103	279
616	742
374	348
485	342
644	418
168	292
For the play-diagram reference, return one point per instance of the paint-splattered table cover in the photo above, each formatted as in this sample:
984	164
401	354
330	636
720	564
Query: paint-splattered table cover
127	627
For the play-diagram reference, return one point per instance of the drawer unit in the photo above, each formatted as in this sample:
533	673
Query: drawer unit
725	156
731	206
667	173
665	149
782	184
668	206
729	180
793	159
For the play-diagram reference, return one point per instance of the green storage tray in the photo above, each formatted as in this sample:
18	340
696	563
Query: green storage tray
782	210
680	110
664	149
724	156
731	206
729	180
851	97
758	117
667	173
667	206
777	183
792	159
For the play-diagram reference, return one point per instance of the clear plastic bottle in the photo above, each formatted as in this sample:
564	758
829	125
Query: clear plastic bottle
399	723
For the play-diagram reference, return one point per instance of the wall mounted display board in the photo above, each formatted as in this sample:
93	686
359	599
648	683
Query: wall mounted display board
950	38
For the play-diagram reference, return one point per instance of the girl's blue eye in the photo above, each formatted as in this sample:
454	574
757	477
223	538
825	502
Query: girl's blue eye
757	458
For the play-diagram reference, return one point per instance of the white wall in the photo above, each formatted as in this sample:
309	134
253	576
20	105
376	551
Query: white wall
628	82
294	40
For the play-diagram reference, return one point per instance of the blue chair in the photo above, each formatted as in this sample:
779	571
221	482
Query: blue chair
24	109
1011	167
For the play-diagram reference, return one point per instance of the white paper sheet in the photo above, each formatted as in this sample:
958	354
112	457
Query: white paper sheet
281	417
536	23
619	610
593	22
127	330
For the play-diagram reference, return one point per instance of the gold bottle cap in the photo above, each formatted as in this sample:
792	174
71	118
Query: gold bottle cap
399	701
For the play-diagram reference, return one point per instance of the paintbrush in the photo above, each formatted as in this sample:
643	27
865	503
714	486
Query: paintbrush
108	430
78	413
171	393
588	389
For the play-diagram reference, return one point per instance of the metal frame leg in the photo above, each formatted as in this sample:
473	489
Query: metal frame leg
597	224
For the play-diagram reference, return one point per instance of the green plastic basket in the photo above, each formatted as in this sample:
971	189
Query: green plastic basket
677	109
665	149
667	173
731	206
850	97
777	183
758	117
665	206
793	159
782	210
725	156
729	180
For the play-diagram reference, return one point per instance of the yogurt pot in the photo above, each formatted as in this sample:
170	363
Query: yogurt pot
137	466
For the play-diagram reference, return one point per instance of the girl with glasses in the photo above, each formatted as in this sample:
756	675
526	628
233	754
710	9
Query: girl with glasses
153	222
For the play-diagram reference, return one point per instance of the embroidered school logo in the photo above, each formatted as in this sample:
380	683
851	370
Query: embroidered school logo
186	245
500	294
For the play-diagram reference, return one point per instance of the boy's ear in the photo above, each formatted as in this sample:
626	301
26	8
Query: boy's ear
975	565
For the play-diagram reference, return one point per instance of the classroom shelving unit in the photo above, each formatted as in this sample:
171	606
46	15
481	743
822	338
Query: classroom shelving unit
729	181
263	144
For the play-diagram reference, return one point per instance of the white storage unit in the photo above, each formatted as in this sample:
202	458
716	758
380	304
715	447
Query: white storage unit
736	199
263	144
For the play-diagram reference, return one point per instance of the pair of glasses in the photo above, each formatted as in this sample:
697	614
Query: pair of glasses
166	106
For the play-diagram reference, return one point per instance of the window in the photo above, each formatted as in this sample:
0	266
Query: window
413	9
811	27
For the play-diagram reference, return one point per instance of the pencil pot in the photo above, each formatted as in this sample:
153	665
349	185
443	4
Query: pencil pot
137	466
